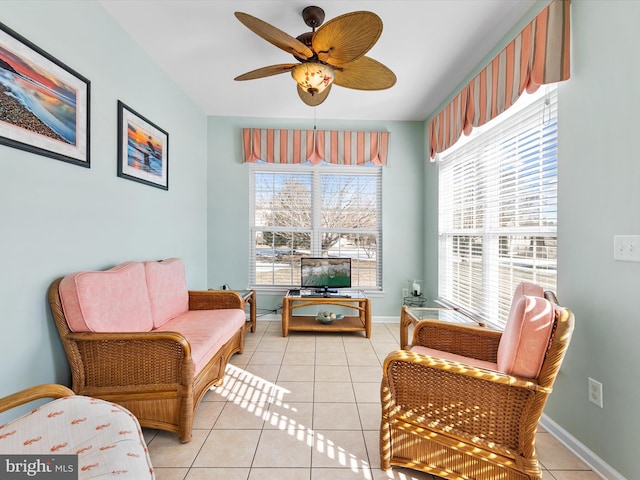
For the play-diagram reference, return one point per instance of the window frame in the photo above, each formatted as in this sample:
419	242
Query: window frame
491	300
316	230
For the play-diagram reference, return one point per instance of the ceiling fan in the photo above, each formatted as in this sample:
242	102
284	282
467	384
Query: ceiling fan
332	54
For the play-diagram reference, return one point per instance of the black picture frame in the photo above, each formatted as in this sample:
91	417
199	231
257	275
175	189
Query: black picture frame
44	104
143	149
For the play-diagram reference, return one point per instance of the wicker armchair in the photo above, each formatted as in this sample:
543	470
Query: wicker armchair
462	419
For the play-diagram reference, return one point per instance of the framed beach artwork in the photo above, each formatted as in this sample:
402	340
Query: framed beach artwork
44	104
143	149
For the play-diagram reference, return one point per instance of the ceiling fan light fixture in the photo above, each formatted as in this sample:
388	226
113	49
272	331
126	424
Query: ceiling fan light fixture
313	77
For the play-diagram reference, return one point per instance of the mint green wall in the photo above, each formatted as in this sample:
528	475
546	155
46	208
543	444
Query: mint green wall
599	190
57	218
402	222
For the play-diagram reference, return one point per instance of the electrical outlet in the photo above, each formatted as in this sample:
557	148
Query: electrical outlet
405	292
595	392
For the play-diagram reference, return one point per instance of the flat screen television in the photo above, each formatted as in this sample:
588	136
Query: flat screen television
324	274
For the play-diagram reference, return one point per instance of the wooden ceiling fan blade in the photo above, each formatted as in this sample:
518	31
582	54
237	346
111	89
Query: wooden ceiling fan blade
313	100
275	36
365	74
346	38
266	71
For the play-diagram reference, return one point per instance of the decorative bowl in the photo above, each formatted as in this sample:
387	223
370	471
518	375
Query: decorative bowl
328	317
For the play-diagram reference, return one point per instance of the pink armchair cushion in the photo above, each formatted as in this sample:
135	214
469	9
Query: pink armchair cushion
526	288
167	288
526	337
474	362
114	300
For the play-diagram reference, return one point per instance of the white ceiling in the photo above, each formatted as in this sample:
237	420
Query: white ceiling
431	45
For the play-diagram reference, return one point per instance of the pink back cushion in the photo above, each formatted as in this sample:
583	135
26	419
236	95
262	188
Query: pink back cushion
114	300
526	337
526	288
167	288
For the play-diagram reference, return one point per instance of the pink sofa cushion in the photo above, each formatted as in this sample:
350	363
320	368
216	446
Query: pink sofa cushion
167	288
206	331
526	337
114	300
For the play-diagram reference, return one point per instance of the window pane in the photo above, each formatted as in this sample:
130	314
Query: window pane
498	210
315	211
349	201
282	200
277	256
466	269
361	248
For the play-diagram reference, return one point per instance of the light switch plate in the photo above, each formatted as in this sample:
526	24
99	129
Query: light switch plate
626	248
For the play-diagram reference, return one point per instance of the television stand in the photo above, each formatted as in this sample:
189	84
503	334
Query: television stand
359	321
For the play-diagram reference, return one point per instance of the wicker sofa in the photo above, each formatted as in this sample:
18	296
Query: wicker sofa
134	335
105	439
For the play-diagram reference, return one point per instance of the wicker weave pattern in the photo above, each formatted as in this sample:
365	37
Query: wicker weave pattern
462	422
214	299
475	342
149	373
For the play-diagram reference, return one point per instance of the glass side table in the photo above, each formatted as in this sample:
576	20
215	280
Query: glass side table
410	316
415	301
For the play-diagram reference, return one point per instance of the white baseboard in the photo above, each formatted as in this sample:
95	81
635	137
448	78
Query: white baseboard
599	466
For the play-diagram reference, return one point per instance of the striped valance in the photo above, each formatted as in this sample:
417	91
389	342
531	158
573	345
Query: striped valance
537	56
315	146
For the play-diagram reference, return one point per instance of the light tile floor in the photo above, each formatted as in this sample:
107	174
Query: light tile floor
304	407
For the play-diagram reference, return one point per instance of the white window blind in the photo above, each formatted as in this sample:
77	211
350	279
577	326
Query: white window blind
318	211
498	210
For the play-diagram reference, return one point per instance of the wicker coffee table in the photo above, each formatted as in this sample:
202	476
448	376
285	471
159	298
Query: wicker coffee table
355	300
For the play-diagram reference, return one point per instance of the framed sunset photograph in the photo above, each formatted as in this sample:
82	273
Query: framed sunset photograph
44	104
143	149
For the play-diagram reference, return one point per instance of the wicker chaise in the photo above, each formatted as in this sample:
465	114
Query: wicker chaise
463	418
150	373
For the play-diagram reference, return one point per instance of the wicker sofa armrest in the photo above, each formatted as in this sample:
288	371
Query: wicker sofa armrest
48	390
100	361
214	299
467	340
159	336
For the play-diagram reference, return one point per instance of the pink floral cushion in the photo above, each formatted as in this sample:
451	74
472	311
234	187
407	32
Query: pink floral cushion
114	300
526	336
167	288
106	437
